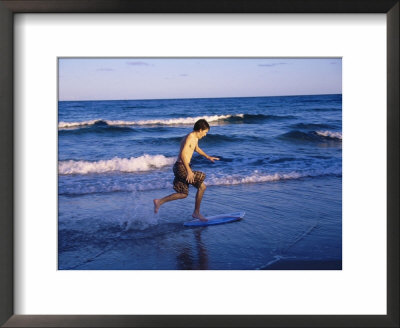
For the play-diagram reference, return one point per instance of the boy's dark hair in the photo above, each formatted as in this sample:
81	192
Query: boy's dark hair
201	124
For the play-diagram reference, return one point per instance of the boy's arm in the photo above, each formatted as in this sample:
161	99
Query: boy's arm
202	153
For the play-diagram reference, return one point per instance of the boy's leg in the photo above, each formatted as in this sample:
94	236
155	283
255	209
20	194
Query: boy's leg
199	196
180	186
159	202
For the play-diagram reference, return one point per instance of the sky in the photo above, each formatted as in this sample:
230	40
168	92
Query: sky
173	78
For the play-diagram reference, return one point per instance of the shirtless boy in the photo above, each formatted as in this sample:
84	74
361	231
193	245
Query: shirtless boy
183	172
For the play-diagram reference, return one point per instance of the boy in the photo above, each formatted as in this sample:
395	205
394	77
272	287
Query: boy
183	172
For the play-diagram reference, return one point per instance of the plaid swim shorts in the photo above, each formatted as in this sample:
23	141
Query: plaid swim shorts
180	183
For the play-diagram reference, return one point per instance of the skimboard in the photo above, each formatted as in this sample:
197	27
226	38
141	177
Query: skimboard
217	219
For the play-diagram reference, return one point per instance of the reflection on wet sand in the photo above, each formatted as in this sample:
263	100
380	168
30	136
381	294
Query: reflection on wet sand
186	260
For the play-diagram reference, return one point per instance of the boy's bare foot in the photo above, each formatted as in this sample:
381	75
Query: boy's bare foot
156	205
197	215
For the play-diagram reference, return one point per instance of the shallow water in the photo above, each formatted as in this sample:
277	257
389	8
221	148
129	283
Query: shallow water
296	219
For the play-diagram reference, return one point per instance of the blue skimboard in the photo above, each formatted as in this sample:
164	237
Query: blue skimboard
217	219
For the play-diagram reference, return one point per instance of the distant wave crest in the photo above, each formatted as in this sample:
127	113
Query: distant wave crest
172	121
330	134
230	118
313	136
128	165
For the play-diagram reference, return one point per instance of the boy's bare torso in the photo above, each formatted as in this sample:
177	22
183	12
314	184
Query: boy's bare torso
187	148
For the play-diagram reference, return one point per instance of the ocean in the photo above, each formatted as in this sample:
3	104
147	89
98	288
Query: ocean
280	162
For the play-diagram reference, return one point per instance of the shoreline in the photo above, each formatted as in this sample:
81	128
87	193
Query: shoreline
298	264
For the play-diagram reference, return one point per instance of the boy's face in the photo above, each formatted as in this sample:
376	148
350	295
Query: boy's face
203	133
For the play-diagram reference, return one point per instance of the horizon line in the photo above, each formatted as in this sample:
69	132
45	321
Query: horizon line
188	98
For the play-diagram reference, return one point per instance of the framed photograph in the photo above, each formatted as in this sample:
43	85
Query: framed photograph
132	148
129	127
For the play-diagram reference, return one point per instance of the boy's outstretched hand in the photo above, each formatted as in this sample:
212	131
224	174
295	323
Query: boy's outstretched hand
212	159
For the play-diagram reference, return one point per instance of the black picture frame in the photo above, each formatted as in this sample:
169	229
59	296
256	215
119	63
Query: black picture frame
10	7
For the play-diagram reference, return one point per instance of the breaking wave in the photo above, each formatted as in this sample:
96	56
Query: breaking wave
172	121
314	136
235	118
330	134
128	165
256	177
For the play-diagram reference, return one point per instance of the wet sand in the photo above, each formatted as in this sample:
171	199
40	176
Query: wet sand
289	225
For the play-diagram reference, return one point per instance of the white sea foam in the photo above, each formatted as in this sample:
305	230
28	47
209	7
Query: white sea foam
164	181
133	164
172	121
337	135
255	177
69	125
